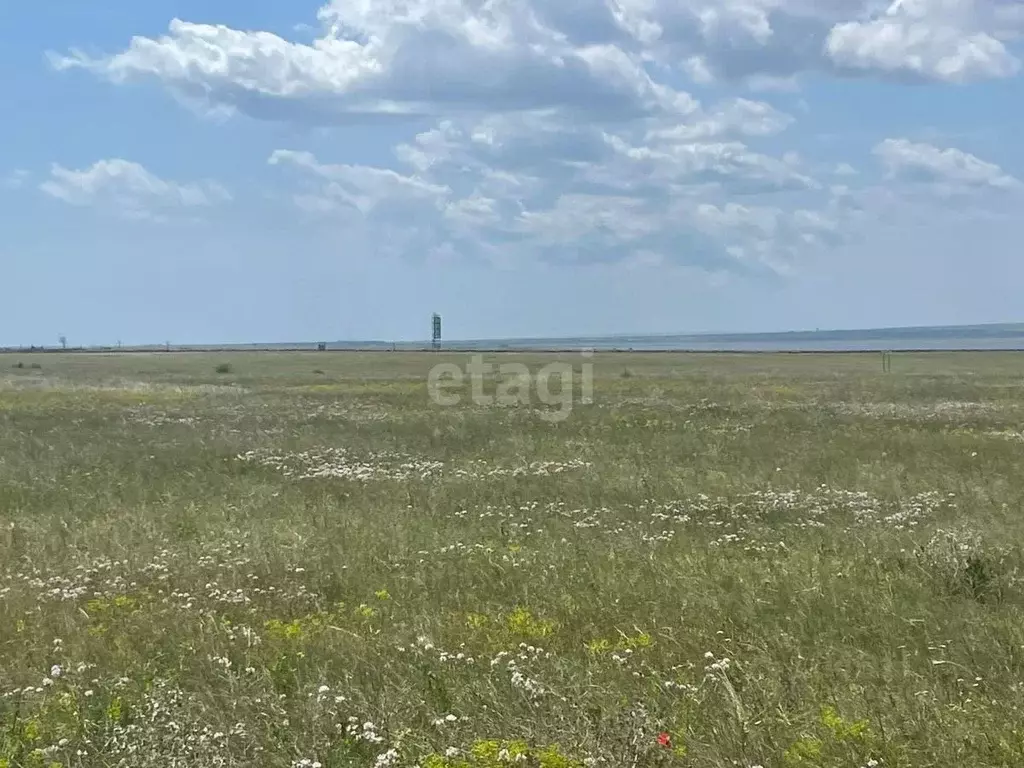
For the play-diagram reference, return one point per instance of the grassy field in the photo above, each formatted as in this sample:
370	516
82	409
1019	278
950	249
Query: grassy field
291	559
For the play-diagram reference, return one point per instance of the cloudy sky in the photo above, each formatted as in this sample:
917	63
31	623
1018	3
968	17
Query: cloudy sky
226	172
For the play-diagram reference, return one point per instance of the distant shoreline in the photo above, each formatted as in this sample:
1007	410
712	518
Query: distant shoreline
511	350
1005	337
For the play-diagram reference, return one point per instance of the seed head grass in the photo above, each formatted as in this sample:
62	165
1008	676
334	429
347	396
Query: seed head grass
742	560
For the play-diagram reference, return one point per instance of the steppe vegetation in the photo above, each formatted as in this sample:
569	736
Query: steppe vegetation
289	559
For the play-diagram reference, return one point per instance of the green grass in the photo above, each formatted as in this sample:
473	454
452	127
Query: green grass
256	559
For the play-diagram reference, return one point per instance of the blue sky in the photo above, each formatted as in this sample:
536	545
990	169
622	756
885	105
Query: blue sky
234	172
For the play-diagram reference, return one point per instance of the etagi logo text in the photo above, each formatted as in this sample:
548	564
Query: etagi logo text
516	385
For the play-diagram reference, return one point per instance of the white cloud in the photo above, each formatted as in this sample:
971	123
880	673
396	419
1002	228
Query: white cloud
536	185
607	58
361	187
771	234
949	40
560	129
729	165
766	42
392	57
949	170
512	154
128	189
740	117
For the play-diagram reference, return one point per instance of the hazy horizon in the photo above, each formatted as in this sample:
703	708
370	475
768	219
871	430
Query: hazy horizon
973	335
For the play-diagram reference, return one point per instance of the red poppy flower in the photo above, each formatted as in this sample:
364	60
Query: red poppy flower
665	740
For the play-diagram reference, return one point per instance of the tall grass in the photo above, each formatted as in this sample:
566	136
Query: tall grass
723	561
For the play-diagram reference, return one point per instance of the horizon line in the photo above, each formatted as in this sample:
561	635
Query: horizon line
1012	328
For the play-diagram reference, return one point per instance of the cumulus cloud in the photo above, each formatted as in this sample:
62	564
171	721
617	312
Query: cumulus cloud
562	130
771	234
949	40
393	57
129	190
401	57
739	116
729	165
553	189
948	170
513	154
769	41
359	186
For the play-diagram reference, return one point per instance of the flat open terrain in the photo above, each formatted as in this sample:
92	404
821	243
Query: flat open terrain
731	560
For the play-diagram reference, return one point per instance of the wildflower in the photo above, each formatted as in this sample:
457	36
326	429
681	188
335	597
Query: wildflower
56	671
665	740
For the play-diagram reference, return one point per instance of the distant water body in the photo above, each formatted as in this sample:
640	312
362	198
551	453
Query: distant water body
1006	337
657	344
980	338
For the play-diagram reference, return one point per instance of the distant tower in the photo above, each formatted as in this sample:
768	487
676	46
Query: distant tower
436	338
